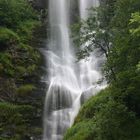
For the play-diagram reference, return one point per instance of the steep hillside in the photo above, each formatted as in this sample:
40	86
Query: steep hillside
114	113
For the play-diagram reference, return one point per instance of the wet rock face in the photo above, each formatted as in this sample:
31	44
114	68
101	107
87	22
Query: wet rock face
59	99
86	95
39	4
74	11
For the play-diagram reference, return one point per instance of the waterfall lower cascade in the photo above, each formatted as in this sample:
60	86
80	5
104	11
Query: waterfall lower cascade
66	84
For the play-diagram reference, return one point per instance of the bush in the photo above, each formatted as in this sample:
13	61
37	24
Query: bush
13	12
95	103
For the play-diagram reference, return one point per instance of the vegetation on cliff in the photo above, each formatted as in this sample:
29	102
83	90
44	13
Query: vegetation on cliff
114	113
20	102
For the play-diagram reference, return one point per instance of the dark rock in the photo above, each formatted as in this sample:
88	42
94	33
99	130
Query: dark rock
39	4
86	95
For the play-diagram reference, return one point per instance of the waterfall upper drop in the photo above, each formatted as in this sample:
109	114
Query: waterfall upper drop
66	85
62	99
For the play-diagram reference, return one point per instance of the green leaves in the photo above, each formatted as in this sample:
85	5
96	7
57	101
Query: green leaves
114	113
14	11
17	21
13	119
19	63
103	118
135	23
6	63
138	67
7	38
25	29
25	89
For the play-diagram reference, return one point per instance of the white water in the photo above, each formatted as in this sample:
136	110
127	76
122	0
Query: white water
85	5
89	70
66	84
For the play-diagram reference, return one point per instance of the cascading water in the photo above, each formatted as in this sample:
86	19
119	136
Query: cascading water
90	69
84	5
62	99
65	88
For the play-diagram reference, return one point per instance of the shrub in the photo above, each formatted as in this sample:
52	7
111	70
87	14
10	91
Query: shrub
94	104
15	11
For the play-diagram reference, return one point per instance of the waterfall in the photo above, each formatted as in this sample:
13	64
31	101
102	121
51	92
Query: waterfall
84	5
89	70
63	98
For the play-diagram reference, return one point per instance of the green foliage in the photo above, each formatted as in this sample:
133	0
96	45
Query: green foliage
19	68
114	113
114	121
81	131
25	89
6	64
14	125
13	12
135	20
17	21
25	29
87	111
103	118
138	67
7	37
